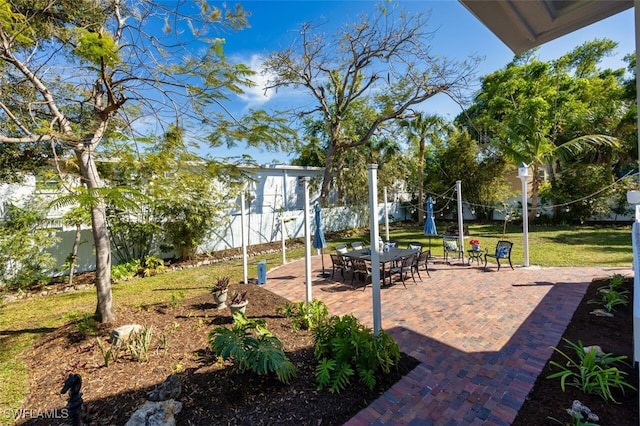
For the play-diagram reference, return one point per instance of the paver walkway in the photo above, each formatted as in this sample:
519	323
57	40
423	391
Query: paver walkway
482	338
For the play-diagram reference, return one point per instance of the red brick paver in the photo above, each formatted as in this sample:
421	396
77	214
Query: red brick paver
482	337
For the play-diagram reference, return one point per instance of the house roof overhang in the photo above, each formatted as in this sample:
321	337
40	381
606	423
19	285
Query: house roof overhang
523	25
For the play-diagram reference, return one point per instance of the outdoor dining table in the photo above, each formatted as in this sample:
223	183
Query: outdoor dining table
392	255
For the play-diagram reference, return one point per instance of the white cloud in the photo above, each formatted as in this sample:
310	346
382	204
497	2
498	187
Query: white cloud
257	95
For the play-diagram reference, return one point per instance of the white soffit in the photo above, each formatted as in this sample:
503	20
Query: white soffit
525	24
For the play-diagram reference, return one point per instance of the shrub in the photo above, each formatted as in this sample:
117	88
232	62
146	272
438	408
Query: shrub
345	347
305	315
125	271
593	372
153	265
251	346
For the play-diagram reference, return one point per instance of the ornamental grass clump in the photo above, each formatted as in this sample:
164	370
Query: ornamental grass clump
594	371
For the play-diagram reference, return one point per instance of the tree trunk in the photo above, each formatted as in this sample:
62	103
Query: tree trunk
74	253
104	308
328	176
421	183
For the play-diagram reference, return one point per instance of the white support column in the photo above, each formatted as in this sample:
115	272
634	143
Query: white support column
460	219
523	174
283	233
243	233
375	250
307	239
386	215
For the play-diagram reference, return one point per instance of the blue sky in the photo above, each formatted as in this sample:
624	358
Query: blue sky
458	35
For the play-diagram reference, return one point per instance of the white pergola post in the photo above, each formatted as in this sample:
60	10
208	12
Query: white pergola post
283	233
375	250
243	236
307	239
523	174
460	219
386	215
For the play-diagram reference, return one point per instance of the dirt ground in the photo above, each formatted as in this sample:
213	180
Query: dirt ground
213	394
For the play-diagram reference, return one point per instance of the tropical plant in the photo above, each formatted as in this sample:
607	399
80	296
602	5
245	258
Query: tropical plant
221	285
420	128
305	315
593	371
153	265
611	295
540	113
125	271
238	298
344	347
252	347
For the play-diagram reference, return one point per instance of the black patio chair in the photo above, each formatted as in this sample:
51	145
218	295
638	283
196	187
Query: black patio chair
503	251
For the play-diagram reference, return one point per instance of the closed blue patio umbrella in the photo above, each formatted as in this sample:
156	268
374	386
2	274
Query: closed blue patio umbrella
318	237
430	223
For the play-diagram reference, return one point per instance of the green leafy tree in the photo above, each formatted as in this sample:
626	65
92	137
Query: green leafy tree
77	73
381	61
538	112
419	129
185	197
24	243
480	171
76	217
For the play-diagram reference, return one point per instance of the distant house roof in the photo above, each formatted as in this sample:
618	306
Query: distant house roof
523	25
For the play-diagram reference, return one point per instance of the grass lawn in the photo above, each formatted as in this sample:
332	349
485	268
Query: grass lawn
23	322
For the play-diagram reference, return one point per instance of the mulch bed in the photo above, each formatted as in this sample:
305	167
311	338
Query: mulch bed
213	394
614	335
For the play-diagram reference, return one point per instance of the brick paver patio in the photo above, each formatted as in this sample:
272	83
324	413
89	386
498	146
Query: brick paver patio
481	337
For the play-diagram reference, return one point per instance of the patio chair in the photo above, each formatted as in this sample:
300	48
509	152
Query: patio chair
404	269
415	245
357	245
503	251
422	259
361	269
339	265
342	248
393	243
450	245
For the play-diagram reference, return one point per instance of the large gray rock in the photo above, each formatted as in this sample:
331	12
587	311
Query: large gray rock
155	413
171	388
122	333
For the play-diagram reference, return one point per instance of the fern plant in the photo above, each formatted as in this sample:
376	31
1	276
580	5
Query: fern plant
344	348
251	346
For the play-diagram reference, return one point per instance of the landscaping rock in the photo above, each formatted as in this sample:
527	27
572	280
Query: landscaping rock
602	313
155	413
171	388
581	411
122	333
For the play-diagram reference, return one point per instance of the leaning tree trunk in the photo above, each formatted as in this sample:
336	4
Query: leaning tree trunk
104	308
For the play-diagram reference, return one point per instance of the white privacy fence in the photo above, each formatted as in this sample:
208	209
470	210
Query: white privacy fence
261	228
